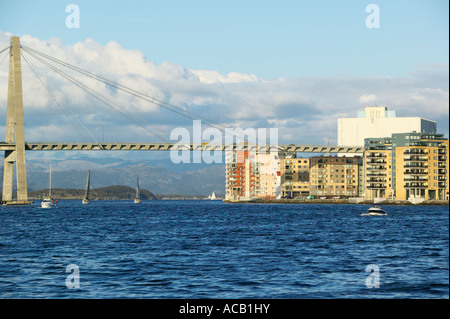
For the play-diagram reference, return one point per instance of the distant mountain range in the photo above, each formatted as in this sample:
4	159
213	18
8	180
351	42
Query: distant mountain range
160	177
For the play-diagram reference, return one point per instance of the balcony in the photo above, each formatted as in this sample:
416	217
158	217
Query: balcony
416	159
416	185
375	174
418	165
379	161
376	155
416	151
377	179
416	172
416	179
376	185
376	167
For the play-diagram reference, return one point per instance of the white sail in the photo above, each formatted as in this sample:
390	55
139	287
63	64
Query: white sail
50	182
213	196
88	187
137	199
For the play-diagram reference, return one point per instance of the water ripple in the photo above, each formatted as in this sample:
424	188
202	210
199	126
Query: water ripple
201	249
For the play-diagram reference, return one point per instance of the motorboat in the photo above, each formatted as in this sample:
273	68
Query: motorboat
376	210
48	203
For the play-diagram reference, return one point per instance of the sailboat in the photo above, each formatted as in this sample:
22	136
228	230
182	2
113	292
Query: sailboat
88	186
49	202
137	199
213	196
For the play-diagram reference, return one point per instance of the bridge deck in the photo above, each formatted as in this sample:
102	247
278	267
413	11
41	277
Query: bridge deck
57	146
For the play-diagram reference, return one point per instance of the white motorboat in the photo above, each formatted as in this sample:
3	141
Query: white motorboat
86	200
376	210
49	202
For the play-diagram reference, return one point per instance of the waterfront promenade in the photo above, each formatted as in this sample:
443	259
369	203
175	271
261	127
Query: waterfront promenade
345	202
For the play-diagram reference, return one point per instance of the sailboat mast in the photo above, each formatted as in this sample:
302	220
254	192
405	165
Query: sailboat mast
137	187
50	182
88	184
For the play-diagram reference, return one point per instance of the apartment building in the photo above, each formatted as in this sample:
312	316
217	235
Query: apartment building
240	172
407	166
421	166
378	168
249	175
294	176
333	176
268	179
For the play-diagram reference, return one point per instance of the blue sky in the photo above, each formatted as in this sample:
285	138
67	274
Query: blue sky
271	39
290	64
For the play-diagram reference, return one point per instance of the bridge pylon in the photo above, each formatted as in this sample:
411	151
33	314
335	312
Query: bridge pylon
15	133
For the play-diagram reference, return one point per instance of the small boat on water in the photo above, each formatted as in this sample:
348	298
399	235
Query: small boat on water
213	196
137	199
376	210
86	200
49	202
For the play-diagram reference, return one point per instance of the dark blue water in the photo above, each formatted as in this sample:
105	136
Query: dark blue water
204	249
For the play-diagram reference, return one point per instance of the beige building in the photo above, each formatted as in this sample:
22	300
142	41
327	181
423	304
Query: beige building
294	176
378	169
332	176
268	180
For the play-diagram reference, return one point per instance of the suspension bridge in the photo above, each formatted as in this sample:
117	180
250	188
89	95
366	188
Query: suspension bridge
15	145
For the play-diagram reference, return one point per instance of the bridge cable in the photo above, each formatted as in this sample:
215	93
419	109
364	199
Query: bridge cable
138	94
176	109
63	108
4	58
98	96
3	50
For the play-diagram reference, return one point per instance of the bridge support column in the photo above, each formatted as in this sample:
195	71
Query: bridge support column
15	132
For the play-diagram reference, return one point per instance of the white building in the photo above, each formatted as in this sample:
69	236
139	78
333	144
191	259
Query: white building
377	122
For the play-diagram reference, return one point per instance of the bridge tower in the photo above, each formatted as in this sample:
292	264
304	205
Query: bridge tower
15	133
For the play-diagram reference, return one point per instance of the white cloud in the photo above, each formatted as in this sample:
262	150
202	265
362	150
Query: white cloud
209	77
305	110
367	98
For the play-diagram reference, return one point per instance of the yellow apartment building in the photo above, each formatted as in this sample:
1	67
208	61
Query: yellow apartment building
378	169
294	176
332	176
407	166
